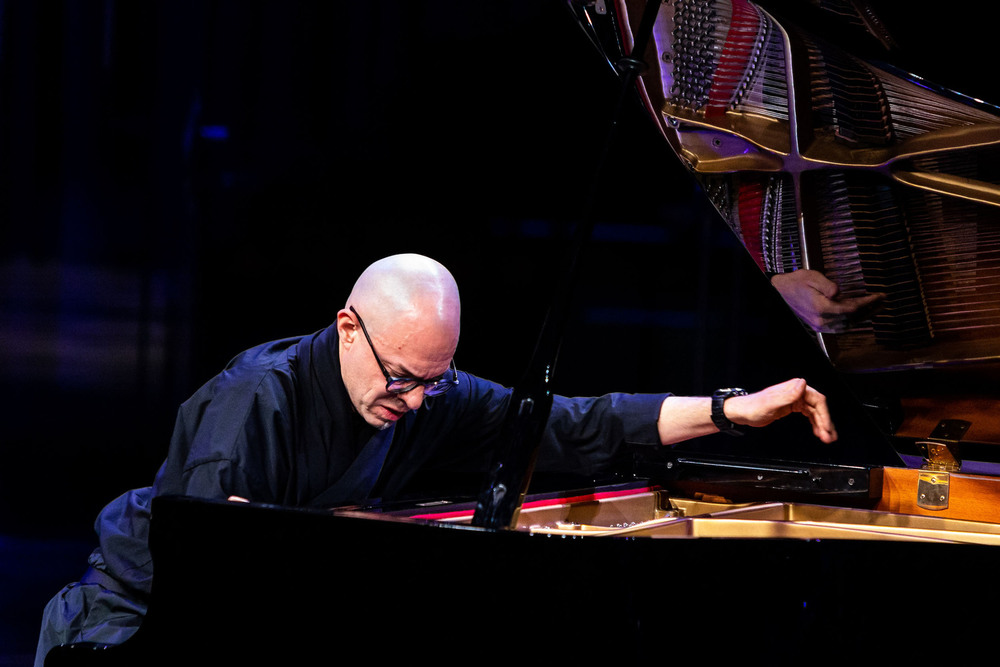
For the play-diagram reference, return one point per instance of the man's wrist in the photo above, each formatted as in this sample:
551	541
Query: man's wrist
719	418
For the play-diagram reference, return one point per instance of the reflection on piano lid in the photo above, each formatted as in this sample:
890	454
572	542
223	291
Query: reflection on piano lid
820	155
821	159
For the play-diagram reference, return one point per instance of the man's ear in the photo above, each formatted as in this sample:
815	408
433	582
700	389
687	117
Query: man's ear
347	328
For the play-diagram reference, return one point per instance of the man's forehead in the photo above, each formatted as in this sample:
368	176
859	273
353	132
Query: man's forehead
400	367
414	341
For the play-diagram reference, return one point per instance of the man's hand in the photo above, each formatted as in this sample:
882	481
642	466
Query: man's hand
685	417
815	299
767	405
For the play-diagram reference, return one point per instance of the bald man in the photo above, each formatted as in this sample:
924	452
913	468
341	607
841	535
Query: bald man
370	407
411	307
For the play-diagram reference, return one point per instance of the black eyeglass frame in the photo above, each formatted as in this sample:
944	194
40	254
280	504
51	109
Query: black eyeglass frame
434	387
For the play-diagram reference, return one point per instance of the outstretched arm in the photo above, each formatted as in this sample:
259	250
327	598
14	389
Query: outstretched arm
685	417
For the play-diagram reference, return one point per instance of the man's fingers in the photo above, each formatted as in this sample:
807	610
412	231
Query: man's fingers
795	395
814	406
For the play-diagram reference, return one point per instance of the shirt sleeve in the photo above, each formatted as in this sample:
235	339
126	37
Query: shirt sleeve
585	435
582	436
232	437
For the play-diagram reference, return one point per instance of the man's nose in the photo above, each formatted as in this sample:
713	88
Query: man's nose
414	398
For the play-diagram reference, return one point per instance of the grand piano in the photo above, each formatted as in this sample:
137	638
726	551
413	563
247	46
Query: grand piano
765	549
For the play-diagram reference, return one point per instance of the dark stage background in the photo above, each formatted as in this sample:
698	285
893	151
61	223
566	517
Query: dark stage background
190	179
182	180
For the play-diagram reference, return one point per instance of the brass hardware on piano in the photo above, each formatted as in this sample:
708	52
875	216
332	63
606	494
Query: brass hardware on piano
932	490
942	446
943	456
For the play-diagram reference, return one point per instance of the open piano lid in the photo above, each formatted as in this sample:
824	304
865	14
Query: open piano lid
821	157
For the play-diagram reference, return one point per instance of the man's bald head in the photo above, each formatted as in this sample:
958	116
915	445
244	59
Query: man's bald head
407	287
409	306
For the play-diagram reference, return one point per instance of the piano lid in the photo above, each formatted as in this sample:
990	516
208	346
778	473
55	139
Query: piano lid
828	163
824	160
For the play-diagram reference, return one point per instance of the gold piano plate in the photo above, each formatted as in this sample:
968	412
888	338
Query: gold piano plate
790	521
652	513
646	515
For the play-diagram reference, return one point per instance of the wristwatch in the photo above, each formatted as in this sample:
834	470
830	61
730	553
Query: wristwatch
718	416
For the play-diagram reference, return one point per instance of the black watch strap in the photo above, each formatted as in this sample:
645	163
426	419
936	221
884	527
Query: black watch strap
719	416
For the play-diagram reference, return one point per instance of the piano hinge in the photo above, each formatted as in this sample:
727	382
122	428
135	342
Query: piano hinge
942	456
941	449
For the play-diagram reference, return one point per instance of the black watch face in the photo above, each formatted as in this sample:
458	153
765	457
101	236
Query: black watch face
726	393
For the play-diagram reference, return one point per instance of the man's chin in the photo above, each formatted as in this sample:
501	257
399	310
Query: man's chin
382	418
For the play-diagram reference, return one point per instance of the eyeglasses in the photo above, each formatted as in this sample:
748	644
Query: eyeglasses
401	385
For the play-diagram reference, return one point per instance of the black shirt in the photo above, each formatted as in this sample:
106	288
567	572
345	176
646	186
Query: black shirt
277	426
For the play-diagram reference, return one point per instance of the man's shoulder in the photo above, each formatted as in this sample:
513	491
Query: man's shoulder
268	367
273	354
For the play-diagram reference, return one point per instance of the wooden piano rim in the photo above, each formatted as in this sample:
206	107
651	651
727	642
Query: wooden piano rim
971	497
